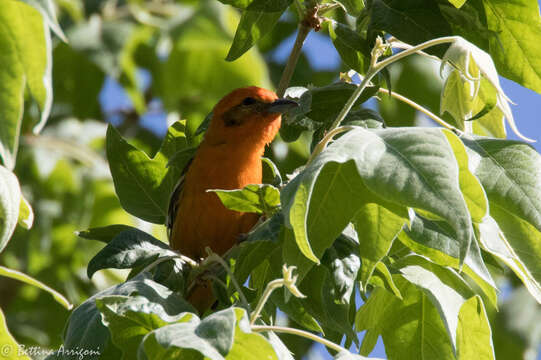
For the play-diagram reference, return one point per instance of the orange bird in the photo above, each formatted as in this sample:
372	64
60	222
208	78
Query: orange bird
229	157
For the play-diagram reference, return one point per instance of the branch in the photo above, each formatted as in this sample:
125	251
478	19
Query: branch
422	109
293	58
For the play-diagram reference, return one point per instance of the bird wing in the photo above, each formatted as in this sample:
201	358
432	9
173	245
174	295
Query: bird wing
174	199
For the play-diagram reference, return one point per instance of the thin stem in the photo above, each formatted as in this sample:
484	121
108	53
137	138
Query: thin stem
326	139
376	67
414	49
275	284
293	58
298	332
156	262
422	109
215	257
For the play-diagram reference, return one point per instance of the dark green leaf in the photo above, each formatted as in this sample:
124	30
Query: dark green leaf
85	329
104	233
129	249
257	19
271	173
353	49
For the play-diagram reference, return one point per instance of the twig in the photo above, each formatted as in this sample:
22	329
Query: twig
422	109
293	58
298	332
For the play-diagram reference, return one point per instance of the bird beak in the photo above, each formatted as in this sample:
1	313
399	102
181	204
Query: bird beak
282	106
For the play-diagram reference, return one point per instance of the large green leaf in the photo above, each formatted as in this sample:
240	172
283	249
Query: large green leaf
144	185
410	328
85	329
510	172
437	241
10	202
257	20
25	45
130	318
411	21
377	227
129	249
474	334
223	335
413	167
518	246
47	10
517	48
353	49
443	287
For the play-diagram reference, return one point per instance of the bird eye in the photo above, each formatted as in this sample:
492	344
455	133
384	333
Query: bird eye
248	101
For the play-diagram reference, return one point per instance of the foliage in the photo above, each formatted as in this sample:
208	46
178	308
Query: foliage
381	226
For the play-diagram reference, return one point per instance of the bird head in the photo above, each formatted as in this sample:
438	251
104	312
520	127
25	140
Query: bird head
248	114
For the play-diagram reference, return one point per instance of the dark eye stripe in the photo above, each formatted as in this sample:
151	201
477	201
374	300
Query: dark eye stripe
249	101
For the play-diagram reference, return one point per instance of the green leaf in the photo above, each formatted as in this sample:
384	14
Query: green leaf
382	278
377	227
271	173
17	275
224	334
9	344
510	172
474	333
517	48
25	64
412	167
85	329
241	4
323	303
354	7
457	3
129	319
443	287
471	188
411	21
342	260
26	215
437	241
410	328
254	198
104	233
353	49
10	202
456	98
129	249
143	185
257	20
517	247
47	10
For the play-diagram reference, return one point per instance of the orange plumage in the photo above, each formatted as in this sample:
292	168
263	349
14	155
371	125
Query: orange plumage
229	157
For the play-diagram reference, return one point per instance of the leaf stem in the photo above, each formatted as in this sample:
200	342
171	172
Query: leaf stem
422	109
273	285
293	58
326	139
217	258
298	332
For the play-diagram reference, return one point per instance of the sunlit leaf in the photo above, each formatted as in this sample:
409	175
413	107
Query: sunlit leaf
255	198
25	64
17	275
10	202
